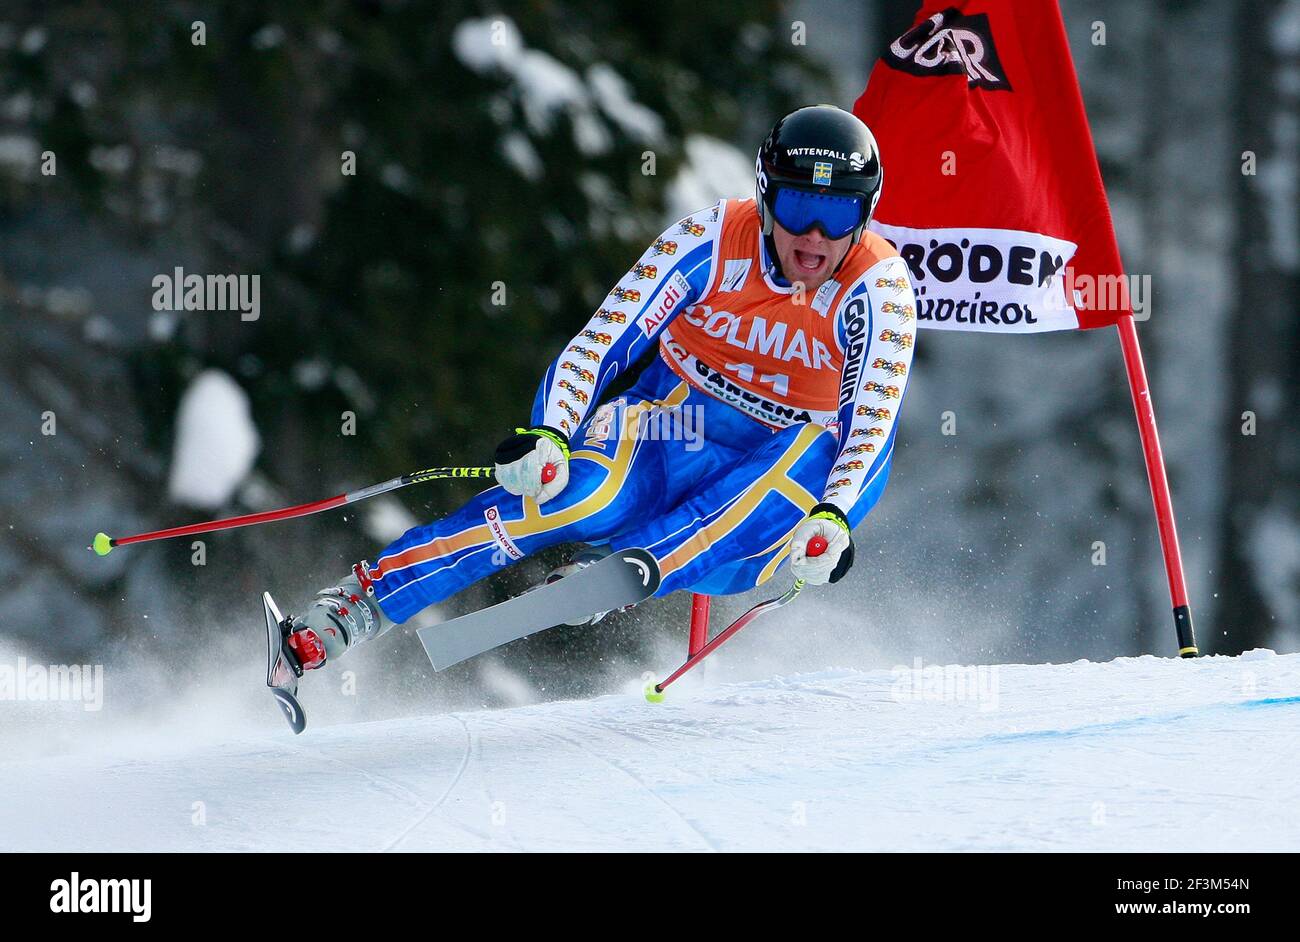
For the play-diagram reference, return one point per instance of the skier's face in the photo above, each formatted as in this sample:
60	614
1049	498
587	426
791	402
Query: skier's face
809	258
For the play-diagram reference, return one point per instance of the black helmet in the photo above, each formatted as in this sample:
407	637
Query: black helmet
819	149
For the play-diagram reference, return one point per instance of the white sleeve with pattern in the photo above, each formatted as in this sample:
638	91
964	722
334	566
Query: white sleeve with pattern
876	321
671	274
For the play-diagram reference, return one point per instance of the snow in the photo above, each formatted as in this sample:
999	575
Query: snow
520	154
386	518
548	86
1276	178
33	40
545	84
484	44
181	161
216	441
713	170
113	161
19	156
545	87
268	37
1286	28
615	99
1134	754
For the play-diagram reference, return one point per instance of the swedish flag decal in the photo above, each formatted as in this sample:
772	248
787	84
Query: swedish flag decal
822	173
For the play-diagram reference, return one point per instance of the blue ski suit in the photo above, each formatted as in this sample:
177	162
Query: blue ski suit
759	404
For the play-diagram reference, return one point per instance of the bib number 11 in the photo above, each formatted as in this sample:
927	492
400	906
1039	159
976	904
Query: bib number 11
779	382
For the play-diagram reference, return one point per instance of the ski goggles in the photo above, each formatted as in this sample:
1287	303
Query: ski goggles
798	211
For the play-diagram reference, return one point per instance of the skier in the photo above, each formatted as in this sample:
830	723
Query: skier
773	338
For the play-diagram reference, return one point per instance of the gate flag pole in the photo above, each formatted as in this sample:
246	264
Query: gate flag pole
1159	481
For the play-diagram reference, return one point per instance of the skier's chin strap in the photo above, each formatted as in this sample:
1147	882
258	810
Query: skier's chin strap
772	264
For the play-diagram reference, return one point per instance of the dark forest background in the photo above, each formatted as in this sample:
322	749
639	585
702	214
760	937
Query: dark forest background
470	176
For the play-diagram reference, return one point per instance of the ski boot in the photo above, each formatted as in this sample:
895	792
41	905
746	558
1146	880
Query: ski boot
340	618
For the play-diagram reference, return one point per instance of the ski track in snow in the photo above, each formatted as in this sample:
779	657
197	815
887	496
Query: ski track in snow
460	773
1135	754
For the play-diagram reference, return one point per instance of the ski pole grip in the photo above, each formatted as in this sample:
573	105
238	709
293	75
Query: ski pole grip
816	546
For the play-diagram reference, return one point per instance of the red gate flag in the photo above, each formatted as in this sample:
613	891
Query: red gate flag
992	192
993	197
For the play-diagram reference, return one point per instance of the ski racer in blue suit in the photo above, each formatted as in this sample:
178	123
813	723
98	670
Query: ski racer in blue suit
771	341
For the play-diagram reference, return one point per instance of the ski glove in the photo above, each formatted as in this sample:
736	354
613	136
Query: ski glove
827	522
534	462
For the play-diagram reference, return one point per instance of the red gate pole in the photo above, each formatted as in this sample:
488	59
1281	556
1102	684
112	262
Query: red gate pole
699	624
1155	461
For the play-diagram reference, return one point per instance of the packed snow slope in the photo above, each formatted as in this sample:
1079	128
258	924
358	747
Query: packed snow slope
1135	754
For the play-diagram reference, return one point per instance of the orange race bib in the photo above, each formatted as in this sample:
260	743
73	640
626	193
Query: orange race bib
771	351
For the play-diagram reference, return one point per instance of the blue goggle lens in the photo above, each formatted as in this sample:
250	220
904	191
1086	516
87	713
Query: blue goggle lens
798	211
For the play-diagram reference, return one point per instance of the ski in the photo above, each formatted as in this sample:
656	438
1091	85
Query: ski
622	578
282	671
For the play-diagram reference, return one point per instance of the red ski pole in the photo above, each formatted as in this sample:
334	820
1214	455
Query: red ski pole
103	543
655	693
